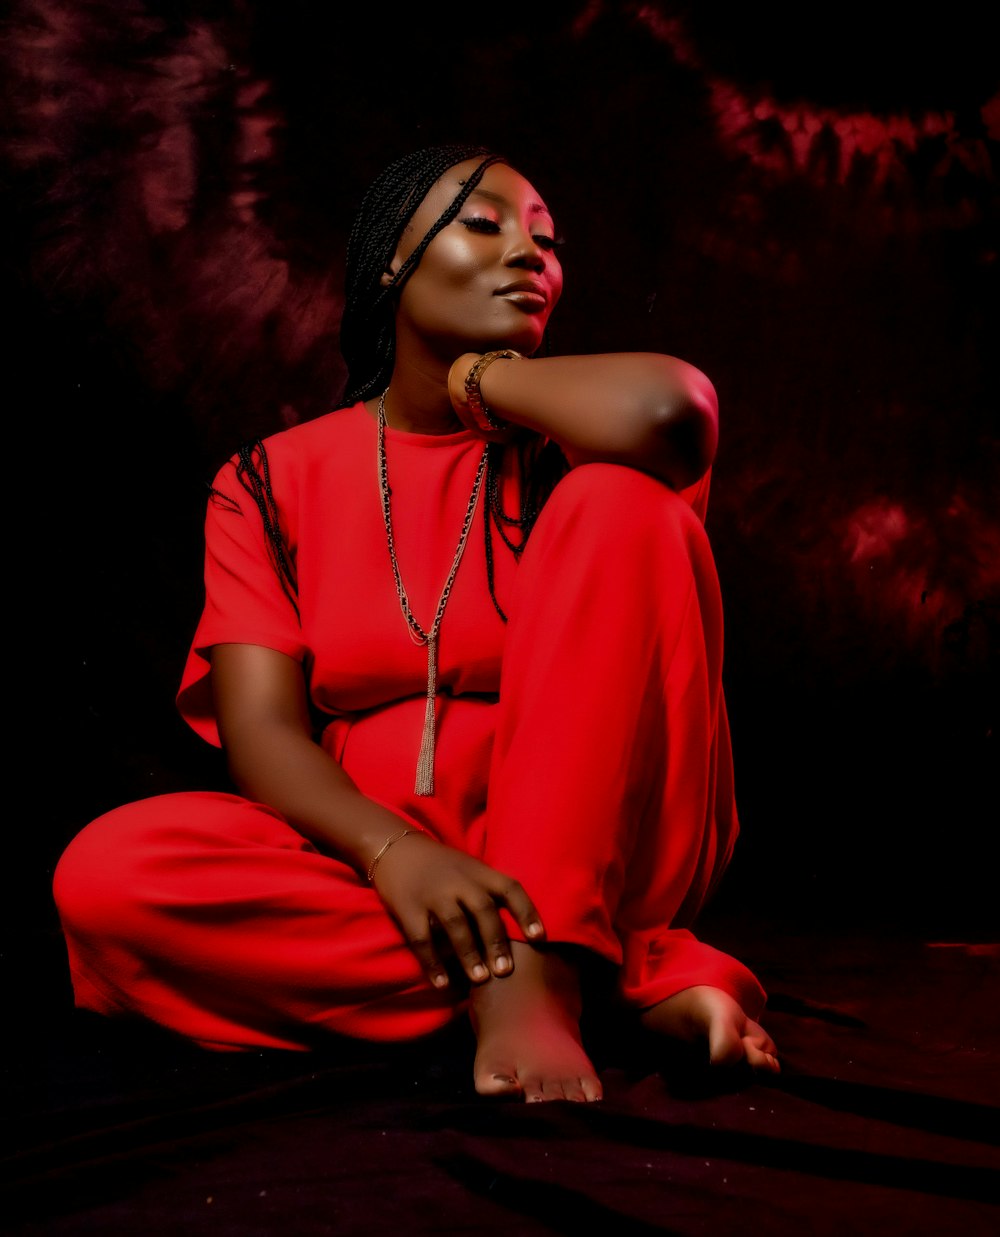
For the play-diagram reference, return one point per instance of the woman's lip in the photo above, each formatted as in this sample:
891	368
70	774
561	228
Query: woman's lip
527	298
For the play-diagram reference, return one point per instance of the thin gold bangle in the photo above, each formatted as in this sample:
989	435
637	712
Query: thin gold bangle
396	837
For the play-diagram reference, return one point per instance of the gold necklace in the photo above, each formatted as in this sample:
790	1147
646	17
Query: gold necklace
424	784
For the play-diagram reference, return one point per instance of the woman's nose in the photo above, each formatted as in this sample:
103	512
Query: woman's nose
525	252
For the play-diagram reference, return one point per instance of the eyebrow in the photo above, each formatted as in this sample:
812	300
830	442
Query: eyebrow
534	208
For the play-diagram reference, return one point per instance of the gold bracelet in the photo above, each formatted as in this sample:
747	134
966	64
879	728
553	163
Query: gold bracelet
396	837
484	418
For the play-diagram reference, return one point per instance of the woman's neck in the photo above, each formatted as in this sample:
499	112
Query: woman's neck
417	401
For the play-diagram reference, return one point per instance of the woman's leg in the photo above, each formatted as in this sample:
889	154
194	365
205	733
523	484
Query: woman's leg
212	917
611	795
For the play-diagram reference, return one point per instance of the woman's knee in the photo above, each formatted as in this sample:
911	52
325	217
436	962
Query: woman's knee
104	869
91	878
609	504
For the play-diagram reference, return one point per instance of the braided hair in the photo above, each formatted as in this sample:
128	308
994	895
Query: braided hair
368	346
367	330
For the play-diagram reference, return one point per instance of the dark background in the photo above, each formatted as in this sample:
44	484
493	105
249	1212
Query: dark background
802	202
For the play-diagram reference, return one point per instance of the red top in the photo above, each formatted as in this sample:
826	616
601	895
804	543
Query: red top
350	633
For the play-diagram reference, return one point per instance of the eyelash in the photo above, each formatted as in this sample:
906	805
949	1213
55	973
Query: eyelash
491	227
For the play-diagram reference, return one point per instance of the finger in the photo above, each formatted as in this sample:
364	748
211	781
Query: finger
510	893
464	945
421	941
491	931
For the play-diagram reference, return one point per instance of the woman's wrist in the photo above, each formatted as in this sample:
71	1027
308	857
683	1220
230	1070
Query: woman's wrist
464	377
390	841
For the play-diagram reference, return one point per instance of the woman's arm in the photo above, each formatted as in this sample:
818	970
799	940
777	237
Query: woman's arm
642	409
263	718
440	897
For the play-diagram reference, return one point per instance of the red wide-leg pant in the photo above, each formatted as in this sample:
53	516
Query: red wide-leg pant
605	787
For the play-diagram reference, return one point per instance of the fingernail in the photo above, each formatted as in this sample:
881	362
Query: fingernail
479	971
502	964
439	980
534	929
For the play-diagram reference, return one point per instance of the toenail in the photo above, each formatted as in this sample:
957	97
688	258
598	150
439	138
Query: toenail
504	1078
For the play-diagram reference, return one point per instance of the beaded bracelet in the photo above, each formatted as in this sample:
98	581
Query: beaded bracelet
483	416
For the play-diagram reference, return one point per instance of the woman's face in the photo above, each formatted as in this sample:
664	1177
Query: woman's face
490	278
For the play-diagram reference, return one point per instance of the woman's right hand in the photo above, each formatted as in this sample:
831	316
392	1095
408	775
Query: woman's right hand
448	903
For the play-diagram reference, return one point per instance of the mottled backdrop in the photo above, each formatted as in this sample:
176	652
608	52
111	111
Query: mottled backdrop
802	201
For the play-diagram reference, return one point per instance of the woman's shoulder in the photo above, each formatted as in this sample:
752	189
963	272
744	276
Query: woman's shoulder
288	451
327	432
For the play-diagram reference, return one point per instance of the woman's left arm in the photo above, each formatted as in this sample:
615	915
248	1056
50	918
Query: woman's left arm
645	410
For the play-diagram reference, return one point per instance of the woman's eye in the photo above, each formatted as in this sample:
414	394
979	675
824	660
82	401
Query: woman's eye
476	223
548	242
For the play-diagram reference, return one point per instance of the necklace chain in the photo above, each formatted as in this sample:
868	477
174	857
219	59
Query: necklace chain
424	783
416	631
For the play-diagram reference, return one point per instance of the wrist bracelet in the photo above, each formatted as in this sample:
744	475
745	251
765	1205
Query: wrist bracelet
484	418
396	837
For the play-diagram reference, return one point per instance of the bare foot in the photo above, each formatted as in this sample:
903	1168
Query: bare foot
710	1014
527	1027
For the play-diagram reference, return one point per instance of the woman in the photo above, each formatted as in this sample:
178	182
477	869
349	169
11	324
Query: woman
462	646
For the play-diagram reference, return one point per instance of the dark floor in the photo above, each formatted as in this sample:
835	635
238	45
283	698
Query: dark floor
884	1121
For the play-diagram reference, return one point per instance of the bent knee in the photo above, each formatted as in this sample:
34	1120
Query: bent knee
94	875
622	501
108	866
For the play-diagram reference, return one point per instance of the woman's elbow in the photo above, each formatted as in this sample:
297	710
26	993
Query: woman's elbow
685	431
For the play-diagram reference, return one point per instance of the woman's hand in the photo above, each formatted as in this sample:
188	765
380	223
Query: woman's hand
448	904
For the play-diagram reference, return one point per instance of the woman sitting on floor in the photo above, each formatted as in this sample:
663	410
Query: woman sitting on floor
462	645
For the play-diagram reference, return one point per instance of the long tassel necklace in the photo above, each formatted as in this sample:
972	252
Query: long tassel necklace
424	784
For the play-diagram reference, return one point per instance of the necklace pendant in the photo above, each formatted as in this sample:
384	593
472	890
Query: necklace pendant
424	784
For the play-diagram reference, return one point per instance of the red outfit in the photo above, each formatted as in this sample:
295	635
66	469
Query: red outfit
582	748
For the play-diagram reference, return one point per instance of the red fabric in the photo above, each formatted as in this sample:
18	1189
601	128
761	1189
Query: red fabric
601	778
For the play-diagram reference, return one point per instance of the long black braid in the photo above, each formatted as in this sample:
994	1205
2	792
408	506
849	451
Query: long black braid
254	474
368	346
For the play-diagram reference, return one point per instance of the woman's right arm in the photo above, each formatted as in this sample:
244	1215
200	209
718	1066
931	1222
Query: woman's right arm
263	718
438	895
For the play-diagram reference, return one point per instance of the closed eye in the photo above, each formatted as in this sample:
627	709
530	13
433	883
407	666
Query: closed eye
476	223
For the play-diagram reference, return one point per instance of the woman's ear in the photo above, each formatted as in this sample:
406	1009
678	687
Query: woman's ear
389	274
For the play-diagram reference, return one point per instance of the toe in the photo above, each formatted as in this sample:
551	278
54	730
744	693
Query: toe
497	1082
756	1033
725	1044
592	1089
572	1089
534	1090
761	1060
